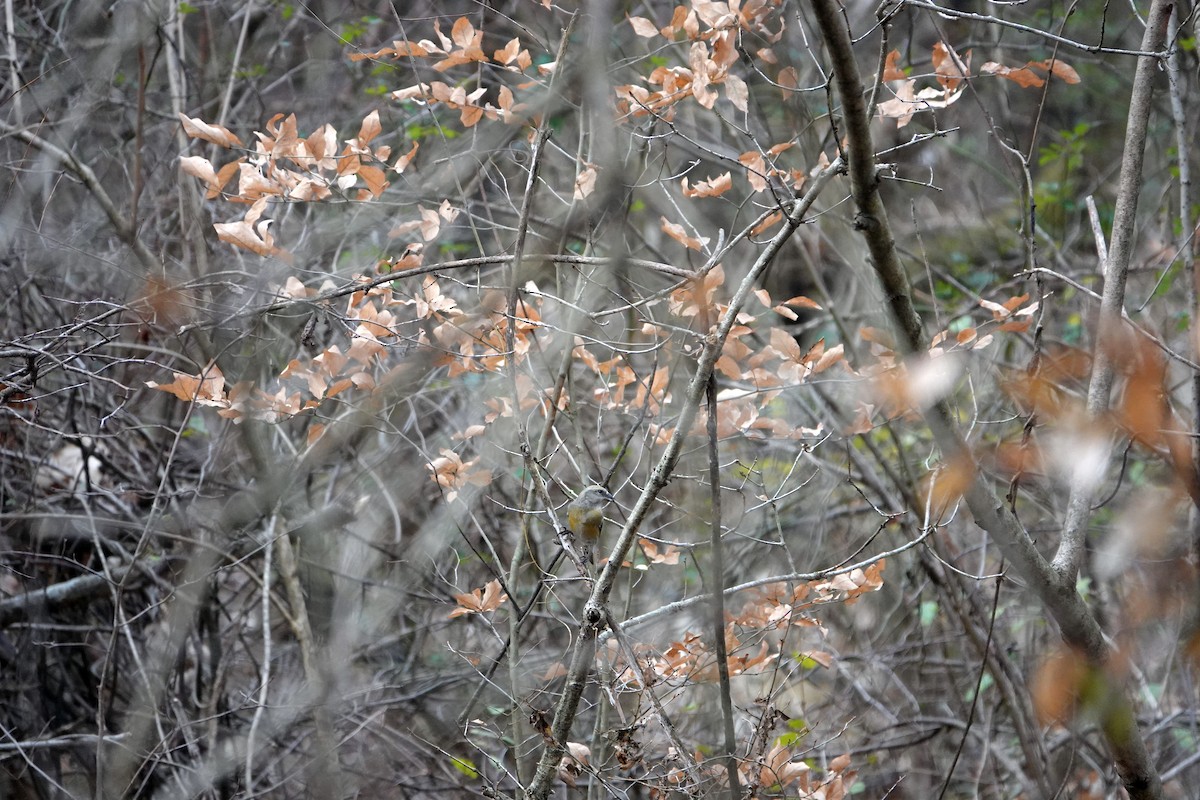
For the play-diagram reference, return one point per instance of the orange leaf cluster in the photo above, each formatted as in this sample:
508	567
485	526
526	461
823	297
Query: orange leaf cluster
616	377
479	601
683	20
689	660
457	98
453	474
252	234
778	769
1013	315
464	45
668	555
777	364
430	223
949	67
1025	76
716	16
908	388
713	187
780	604
952	71
239	402
760	168
698	294
680	234
287	166
713	51
707	68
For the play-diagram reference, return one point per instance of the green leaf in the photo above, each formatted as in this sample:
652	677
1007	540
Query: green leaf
805	661
960	324
787	739
195	426
464	766
1168	280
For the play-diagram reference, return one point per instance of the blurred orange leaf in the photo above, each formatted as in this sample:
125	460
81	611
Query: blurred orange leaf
1057	686
891	72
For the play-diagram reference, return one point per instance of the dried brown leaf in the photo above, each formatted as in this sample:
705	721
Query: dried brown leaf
217	134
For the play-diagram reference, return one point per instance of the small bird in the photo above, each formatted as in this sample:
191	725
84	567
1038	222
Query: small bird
585	518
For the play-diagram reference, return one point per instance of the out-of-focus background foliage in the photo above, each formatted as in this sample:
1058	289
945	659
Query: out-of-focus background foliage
196	606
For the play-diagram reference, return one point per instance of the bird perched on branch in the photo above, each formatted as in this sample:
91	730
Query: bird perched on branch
585	518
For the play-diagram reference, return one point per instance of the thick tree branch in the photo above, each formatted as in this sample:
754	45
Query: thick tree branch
717	580
84	587
1108	326
1076	623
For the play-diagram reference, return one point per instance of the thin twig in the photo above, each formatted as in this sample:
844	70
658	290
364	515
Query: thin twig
594	610
1004	23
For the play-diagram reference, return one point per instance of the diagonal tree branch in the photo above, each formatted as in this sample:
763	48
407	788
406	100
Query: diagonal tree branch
1079	506
583	653
87	176
1078	626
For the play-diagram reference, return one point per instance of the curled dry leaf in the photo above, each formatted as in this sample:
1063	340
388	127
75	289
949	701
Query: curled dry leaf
669	555
251	234
217	134
574	762
585	182
713	187
771	221
200	167
430	223
778	768
513	52
451	473
1025	76
891	72
1021	76
950	68
679	234
206	389
403	161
